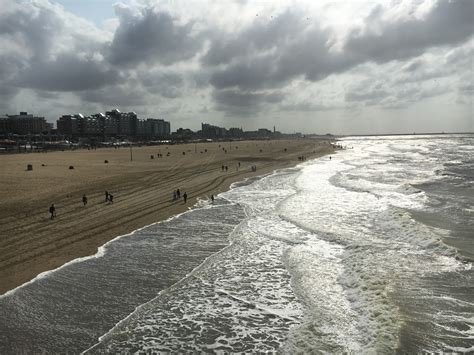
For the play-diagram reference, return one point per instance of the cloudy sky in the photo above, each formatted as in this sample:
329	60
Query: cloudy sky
309	66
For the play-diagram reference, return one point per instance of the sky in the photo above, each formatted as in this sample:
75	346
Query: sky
341	67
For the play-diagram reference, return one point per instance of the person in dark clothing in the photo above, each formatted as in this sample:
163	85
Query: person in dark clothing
212	198
84	199
106	196
111	198
185	197
178	193
52	211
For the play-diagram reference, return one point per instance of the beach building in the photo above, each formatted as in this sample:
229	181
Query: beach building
152	127
210	131
126	122
235	132
112	124
5	125
23	123
71	125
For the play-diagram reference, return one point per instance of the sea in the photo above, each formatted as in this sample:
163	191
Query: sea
369	250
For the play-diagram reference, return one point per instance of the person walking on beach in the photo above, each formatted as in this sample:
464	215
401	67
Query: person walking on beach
212	198
84	199
178	193
185	197
52	211
174	195
111	198
106	196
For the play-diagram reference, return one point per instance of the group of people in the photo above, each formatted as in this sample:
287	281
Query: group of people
108	198
177	195
226	168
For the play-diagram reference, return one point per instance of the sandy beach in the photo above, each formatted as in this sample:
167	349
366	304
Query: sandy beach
31	243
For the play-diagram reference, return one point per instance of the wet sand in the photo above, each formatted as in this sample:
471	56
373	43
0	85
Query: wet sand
31	243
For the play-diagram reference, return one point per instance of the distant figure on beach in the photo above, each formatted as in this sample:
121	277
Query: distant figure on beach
84	199
106	196
52	211
174	195
226	168
329	157
223	167
178	193
212	198
111	198
185	197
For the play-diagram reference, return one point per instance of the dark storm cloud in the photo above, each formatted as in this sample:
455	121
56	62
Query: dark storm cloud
309	56
306	107
373	95
45	49
33	27
244	103
414	66
392	95
271	54
27	34
169	85
120	96
152	37
260	36
7	92
252	74
67	72
10	66
448	23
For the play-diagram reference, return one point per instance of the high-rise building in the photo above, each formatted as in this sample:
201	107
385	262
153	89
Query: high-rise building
5	124
211	131
71	125
24	123
152	127
113	124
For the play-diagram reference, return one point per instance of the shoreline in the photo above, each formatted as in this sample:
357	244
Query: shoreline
31	244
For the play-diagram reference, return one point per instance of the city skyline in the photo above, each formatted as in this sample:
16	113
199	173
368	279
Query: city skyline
336	67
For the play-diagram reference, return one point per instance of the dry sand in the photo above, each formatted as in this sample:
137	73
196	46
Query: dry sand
31	243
